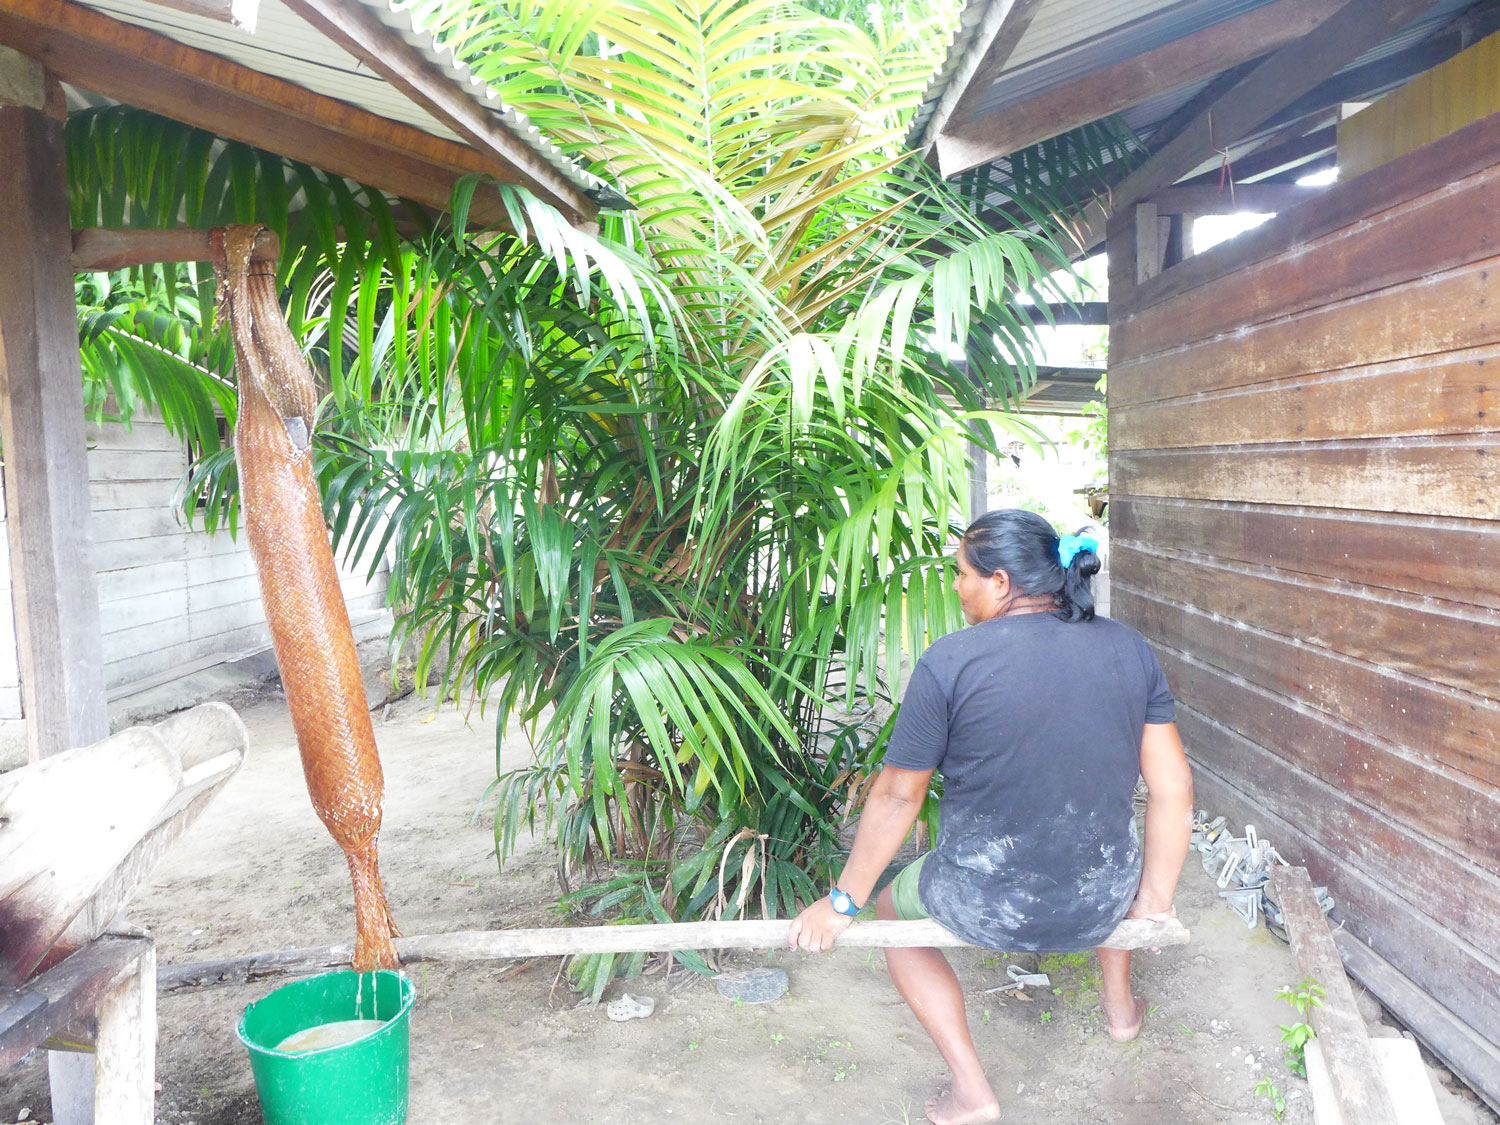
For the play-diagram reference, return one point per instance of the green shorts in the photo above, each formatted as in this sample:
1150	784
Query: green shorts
904	896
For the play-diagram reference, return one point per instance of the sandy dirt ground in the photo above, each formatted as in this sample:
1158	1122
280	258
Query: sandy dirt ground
258	873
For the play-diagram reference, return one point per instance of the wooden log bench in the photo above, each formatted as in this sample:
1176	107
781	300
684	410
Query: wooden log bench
78	831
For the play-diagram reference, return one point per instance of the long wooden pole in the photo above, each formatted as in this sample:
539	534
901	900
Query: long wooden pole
502	945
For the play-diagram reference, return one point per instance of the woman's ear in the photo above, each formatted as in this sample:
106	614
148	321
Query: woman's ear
1002	584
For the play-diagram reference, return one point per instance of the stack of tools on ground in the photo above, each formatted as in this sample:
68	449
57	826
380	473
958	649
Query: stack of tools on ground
1242	868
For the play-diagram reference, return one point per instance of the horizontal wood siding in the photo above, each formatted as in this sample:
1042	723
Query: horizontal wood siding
170	597
1305	520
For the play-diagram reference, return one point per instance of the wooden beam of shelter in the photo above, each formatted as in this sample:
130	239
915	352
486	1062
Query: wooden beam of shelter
968	144
1211	200
504	945
1082	312
354	27
100	249
153	72
238	13
1274	84
1363	82
1341	1031
1273	159
1000	30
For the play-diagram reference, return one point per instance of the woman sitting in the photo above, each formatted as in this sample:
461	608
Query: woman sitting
1040	717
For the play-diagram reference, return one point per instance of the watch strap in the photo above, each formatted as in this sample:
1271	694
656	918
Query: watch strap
843	902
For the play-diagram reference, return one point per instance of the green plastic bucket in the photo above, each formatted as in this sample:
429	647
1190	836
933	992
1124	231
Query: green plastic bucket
361	1082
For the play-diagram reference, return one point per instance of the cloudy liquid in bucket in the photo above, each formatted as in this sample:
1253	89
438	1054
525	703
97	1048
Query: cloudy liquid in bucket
333	1034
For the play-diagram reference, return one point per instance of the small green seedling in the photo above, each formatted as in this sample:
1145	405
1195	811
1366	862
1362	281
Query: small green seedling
1267	1089
986	1017
1186	1030
1046	1017
1295	1036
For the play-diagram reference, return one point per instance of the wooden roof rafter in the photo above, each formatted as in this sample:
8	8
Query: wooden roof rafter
1275	83
130	64
965	144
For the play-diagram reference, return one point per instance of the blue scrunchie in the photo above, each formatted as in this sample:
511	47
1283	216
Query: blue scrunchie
1070	545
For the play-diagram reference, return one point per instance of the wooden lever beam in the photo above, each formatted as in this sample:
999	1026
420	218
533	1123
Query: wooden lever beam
501	945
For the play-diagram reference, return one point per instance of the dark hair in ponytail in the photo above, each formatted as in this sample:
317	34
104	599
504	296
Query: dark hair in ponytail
1024	545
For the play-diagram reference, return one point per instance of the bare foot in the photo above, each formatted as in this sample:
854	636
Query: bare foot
1122	1031
948	1108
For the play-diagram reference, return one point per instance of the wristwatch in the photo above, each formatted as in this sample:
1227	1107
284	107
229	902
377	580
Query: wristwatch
843	902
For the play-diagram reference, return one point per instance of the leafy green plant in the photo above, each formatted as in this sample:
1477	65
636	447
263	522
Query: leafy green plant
1295	1036
1267	1089
672	497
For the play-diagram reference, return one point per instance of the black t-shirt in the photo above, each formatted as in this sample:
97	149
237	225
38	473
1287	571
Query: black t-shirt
1035	725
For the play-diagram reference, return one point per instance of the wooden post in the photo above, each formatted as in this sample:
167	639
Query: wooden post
125	1050
42	427
46	468
979	486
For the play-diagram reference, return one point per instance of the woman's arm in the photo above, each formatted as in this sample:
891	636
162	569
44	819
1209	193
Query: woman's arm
1169	819
888	815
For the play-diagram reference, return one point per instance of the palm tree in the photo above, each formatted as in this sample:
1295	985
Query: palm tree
673	495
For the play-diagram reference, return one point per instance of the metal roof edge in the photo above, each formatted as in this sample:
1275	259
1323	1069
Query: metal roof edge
969	21
402	20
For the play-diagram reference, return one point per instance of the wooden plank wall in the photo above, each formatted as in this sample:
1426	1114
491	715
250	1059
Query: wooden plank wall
171	600
1305	520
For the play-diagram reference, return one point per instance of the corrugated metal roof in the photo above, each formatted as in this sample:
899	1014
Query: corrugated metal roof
285	46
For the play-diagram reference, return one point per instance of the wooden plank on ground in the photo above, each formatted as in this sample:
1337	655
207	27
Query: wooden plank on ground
1341	1032
1458	729
500	945
1427	317
1472	1057
1416	238
1454	559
